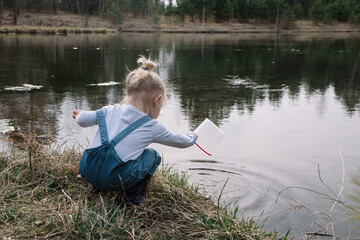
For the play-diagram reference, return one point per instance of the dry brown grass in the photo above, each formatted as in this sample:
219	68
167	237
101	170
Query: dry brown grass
45	23
58	20
53	30
49	200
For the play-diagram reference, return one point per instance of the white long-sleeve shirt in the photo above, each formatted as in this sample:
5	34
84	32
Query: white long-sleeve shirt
118	117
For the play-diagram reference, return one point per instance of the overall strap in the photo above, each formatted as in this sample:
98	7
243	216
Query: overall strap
102	126
129	129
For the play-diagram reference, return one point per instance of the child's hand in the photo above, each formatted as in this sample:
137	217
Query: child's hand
76	112
193	134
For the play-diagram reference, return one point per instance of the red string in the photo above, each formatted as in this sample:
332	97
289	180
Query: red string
203	149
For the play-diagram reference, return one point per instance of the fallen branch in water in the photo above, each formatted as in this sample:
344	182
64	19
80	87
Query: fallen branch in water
319	234
336	201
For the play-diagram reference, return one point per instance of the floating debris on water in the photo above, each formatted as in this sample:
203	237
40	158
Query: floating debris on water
111	83
6	126
213	170
23	88
247	82
275	90
203	161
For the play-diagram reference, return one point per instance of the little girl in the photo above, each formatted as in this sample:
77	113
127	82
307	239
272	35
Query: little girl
117	158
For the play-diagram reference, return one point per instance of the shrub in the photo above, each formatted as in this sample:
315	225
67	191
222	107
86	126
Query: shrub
114	14
328	18
355	17
339	11
297	10
317	11
156	18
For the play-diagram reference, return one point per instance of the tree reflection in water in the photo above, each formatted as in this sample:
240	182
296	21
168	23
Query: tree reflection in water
213	75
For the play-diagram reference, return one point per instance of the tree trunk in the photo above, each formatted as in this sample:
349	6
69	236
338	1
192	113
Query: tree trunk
85	12
1	6
15	12
54	5
73	6
86	20
277	16
70	6
275	46
150	8
101	8
144	11
78	7
203	17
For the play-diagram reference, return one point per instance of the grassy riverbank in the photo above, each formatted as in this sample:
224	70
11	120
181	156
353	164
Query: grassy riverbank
41	196
65	23
53	30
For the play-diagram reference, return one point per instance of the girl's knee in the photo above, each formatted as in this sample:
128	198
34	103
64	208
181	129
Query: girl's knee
151	159
152	153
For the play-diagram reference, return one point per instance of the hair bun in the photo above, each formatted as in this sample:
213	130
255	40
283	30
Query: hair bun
146	63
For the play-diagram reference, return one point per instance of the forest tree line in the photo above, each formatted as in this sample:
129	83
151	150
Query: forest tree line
327	11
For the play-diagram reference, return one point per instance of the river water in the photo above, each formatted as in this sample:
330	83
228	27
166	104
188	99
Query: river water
288	105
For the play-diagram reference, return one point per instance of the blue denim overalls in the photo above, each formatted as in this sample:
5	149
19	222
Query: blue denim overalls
103	168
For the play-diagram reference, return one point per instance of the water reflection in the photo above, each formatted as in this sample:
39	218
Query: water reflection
281	101
214	79
211	77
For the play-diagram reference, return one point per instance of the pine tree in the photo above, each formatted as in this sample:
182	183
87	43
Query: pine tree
228	11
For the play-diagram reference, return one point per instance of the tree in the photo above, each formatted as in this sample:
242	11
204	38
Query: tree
203	17
241	10
184	7
150	10
317	11
170	9
228	10
306	5
16	10
101	8
114	14
54	5
297	10
262	11
1	7
277	15
355	14
340	10
139	6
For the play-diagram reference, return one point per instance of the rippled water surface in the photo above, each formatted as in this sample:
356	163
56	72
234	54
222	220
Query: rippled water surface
288	105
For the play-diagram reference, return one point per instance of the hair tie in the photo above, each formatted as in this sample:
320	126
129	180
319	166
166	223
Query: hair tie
146	68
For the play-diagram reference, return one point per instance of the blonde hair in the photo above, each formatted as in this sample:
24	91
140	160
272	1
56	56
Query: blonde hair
143	84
